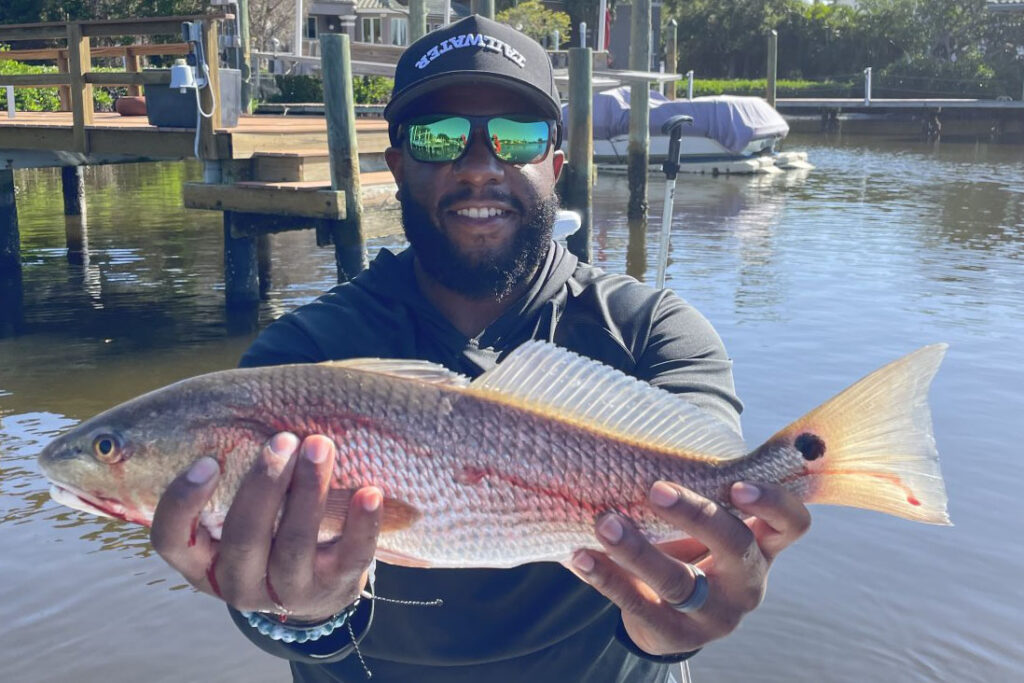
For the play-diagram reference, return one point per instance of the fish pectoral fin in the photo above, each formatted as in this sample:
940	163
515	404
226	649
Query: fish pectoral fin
396	514
401	559
415	370
541	376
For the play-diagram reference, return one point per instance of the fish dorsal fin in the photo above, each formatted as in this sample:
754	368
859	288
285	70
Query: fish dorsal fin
416	370
552	379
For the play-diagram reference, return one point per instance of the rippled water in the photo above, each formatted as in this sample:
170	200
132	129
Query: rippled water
813	279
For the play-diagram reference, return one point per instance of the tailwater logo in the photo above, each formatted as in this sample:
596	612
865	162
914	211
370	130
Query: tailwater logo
468	40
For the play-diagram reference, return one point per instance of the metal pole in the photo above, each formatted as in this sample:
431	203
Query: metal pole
639	133
583	34
773	65
10	101
671	56
689	84
602	11
579	188
339	109
867	86
447	12
298	29
417	19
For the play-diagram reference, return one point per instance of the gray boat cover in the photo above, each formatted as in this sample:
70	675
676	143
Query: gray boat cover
731	120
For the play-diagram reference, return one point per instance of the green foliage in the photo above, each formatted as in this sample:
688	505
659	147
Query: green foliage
365	89
783	88
47	99
536	21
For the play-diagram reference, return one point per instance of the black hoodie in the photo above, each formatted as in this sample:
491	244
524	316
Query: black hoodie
535	622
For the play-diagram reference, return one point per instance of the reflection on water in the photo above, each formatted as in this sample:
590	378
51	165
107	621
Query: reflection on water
812	279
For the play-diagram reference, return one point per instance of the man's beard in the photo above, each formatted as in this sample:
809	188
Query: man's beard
495	276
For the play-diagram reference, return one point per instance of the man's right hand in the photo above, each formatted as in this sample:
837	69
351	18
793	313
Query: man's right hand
251	567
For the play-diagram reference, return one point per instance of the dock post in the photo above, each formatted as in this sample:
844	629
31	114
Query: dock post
263	263
671	56
73	186
245	57
343	150
773	66
10	239
579	188
639	133
486	8
867	86
241	270
417	20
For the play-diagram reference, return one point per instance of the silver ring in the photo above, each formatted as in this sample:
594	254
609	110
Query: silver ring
699	595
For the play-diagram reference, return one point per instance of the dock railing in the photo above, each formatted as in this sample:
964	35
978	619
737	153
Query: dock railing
75	76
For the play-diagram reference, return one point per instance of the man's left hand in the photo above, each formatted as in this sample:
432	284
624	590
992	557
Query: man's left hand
646	580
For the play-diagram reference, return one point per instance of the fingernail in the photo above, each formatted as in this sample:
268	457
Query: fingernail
315	451
373	501
664	494
610	529
583	561
202	470
283	444
744	493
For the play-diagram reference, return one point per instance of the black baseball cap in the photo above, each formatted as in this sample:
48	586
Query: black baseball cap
475	50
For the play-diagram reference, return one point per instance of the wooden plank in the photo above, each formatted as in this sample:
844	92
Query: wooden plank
147	26
380	54
133	64
53	54
36	137
15	32
275	200
79	61
64	92
35	80
126	78
25	55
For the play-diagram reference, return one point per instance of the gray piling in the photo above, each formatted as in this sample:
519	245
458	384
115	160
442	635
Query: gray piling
241	270
417	20
486	8
339	109
10	239
773	66
671	55
72	182
639	112
580	167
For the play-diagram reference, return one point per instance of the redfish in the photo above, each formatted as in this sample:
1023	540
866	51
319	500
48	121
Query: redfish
512	467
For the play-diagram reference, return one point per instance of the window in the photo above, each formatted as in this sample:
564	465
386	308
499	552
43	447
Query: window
311	28
371	30
399	32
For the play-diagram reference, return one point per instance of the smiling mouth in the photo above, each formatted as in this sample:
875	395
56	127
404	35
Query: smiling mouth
481	212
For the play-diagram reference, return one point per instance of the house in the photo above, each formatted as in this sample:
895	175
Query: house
382	22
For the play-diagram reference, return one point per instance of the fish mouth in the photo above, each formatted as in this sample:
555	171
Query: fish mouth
79	500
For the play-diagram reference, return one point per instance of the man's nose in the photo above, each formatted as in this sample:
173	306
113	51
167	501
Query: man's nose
478	165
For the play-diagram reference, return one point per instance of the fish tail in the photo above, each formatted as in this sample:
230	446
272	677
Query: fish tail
872	447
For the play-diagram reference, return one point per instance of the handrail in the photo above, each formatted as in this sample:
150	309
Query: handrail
75	76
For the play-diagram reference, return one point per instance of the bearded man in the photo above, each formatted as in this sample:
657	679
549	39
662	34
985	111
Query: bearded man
475	124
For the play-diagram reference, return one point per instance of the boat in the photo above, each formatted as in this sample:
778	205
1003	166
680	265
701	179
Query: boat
729	134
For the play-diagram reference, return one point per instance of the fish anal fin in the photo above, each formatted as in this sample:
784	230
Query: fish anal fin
401	559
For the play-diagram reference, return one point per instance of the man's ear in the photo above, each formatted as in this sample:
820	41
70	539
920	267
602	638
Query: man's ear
393	157
557	161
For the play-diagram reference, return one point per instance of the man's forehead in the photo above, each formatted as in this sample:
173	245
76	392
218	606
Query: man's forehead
473	99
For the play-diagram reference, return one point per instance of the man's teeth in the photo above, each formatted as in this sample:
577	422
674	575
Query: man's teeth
475	212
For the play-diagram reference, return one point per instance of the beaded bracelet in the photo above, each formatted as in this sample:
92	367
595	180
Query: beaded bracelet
272	628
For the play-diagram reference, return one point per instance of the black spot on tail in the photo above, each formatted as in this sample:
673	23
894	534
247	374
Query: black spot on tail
810	446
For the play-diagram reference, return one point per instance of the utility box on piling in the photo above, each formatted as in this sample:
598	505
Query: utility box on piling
169	108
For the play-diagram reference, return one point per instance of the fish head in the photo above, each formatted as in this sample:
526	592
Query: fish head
120	462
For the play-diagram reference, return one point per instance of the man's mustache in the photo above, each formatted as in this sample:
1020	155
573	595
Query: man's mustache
448	200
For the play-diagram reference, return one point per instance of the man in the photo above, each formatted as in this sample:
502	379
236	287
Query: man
481	277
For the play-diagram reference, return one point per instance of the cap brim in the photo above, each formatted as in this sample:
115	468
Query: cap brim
398	108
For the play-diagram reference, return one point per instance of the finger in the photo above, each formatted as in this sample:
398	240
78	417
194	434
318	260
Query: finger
627	591
354	551
291	559
671	579
249	524
176	535
687	549
781	518
730	541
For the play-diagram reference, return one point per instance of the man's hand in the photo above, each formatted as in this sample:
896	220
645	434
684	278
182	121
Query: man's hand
252	568
645	580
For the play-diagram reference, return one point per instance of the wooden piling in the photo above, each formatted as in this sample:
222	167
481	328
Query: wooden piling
671	56
10	239
486	8
245	57
580	167
639	113
263	263
73	188
773	66
417	19
339	109
241	270
79	62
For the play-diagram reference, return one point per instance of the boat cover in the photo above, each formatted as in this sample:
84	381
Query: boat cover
731	120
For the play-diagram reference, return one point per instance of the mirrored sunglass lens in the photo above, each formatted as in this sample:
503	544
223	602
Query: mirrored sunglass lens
519	142
438	139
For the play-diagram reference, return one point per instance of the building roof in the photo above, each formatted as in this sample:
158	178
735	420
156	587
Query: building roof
1005	5
434	7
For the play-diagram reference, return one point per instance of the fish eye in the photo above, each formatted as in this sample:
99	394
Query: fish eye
107	448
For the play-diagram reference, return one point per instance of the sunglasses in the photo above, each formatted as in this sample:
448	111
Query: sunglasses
444	138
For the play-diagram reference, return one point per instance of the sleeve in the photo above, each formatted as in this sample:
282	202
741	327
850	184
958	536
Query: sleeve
329	649
283	341
684	355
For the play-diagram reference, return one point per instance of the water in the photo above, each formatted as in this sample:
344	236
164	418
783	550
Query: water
813	279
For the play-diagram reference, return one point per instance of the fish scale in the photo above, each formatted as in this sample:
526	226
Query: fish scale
513	467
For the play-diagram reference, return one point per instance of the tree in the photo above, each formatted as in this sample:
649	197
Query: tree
536	21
